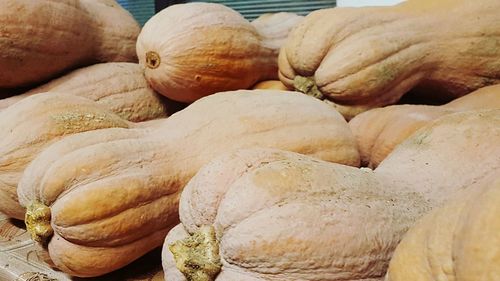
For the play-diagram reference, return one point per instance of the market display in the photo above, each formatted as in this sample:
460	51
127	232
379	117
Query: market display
276	149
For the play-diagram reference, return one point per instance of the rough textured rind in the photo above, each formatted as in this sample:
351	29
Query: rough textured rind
112	193
285	216
379	131
197	49
41	39
361	58
465	245
32	125
121	87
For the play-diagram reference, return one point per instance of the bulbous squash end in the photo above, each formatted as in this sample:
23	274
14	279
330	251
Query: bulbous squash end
37	220
197	256
153	60
308	86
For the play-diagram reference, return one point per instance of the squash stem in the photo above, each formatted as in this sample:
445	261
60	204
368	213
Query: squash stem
308	86
153	60
37	220
197	256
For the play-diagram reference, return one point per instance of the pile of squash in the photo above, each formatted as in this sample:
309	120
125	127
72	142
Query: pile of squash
278	149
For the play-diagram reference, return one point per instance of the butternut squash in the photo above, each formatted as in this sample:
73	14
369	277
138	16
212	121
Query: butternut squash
120	87
379	131
277	215
361	58
198	49
116	199
41	39
456	242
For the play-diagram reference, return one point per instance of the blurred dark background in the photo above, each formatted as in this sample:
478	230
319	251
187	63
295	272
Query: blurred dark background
251	9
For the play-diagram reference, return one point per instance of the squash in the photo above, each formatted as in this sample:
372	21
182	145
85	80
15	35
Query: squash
275	215
119	86
270	85
41	39
379	131
369	57
35	122
121	196
465	245
198	49
275	27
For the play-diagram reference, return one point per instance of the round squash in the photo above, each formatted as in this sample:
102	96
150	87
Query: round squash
197	49
41	39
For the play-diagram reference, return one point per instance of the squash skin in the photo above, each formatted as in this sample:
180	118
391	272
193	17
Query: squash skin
261	203
462	247
361	58
196	49
379	131
119	86
274	28
147	173
42	39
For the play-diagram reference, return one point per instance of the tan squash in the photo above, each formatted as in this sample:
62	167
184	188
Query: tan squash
35	122
276	215
459	241
275	27
270	85
41	39
361	58
119	86
121	196
379	131
198	49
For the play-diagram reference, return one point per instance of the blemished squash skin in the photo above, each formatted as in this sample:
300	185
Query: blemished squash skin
119	86
34	123
284	216
379	131
464	246
361	58
106	196
197	49
41	39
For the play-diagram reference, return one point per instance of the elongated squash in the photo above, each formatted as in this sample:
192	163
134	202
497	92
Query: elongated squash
120	197
274	215
41	39
379	131
361	58
120	87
